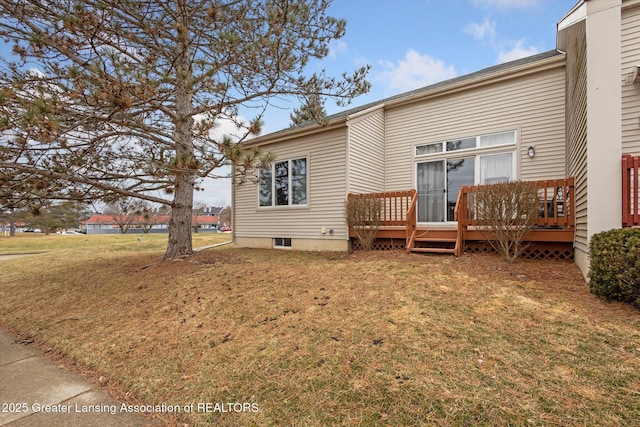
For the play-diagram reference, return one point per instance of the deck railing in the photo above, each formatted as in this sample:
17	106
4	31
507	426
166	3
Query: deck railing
398	208
557	207
556	196
630	190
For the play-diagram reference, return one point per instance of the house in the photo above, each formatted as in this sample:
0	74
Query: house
112	224
211	210
562	118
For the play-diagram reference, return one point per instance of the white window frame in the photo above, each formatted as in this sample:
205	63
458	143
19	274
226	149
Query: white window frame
443	147
513	164
289	184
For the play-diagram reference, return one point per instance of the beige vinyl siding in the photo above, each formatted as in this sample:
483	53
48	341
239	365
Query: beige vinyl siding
577	126
326	154
532	105
630	91
366	153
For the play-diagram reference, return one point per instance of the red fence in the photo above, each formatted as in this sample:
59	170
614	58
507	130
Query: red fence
630	190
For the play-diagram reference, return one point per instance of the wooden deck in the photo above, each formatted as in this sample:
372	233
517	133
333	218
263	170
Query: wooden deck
398	219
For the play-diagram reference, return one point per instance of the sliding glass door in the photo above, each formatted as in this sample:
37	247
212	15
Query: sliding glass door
438	184
431	188
459	172
439	181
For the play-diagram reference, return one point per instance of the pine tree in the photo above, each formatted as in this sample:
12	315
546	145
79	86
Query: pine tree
312	110
121	97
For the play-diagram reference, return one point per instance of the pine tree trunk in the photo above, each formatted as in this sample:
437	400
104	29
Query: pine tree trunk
12	223
180	243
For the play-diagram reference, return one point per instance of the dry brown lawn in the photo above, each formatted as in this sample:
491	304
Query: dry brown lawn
314	339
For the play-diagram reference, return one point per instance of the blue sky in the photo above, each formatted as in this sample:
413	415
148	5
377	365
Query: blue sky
414	43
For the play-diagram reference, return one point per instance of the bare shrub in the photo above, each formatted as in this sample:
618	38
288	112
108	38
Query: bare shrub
508	210
363	217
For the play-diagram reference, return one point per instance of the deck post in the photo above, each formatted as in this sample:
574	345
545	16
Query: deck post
630	190
411	221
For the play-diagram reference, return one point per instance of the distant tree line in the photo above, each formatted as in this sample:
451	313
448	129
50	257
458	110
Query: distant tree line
51	217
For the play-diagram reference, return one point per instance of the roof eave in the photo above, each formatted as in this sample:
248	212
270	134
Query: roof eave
572	17
483	80
297	132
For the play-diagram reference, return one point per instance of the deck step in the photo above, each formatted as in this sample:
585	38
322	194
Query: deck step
435	239
435	250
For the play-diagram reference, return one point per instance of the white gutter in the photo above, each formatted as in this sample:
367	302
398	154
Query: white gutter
576	14
364	112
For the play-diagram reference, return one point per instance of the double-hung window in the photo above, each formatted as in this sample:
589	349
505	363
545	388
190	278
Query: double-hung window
284	183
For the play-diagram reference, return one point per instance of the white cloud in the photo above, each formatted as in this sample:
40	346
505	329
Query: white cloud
506	4
507	50
516	52
35	73
226	127
337	47
481	31
414	71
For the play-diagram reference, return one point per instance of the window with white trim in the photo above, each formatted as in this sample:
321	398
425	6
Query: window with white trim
284	183
496	168
481	141
282	242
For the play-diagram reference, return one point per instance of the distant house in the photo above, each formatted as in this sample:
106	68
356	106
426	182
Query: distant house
211	210
19	227
567	119
111	224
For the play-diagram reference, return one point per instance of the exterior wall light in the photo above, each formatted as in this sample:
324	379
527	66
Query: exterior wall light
531	151
633	76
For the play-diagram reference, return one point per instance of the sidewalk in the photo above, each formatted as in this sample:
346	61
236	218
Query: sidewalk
35	392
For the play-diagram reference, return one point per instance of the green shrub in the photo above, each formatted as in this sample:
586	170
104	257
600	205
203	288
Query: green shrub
615	265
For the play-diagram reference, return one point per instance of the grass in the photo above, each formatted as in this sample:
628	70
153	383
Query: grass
331	339
24	243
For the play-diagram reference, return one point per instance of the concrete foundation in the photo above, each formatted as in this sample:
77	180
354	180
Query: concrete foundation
328	245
